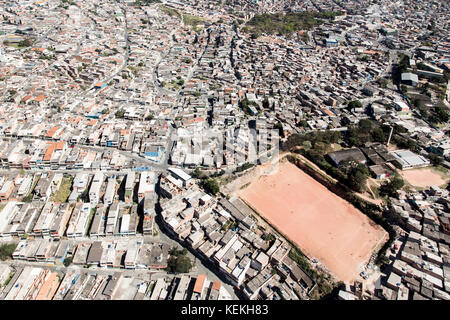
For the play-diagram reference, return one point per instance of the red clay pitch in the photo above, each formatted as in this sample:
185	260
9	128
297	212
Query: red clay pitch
322	224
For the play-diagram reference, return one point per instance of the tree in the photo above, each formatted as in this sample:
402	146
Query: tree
265	103
383	82
303	123
357	177
435	159
244	105
68	261
120	113
355	104
6	250
279	126
307	145
365	125
353	137
378	135
211	186
196	173
442	114
25	43
179	262
390	188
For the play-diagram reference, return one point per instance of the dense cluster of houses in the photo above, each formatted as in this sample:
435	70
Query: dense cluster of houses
35	283
121	253
96	85
225	233
418	266
31	207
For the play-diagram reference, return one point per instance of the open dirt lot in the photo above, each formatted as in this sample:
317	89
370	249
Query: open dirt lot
322	224
425	177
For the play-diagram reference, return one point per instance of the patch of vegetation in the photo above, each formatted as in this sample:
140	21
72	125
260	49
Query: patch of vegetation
245	105
435	114
197	173
211	186
230	224
355	104
302	261
145	2
435	159
357	177
29	196
6	250
268	237
286	24
64	190
401	67
319	144
170	11
279	127
193	21
389	188
441	169
120	114
68	261
178	261
91	219
84	196
11	274
244	167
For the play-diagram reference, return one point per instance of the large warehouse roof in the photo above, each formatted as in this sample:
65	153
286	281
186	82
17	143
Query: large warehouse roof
408	159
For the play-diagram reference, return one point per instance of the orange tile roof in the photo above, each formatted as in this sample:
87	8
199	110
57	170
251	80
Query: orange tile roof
49	152
59	145
49	287
328	112
370	51
26	98
92	122
39	98
90	107
199	283
52	131
200	119
216	285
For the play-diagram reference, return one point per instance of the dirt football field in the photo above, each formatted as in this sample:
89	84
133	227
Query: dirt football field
425	177
322	224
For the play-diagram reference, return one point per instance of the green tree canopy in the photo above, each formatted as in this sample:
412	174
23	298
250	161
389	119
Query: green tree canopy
389	188
357	177
211	186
